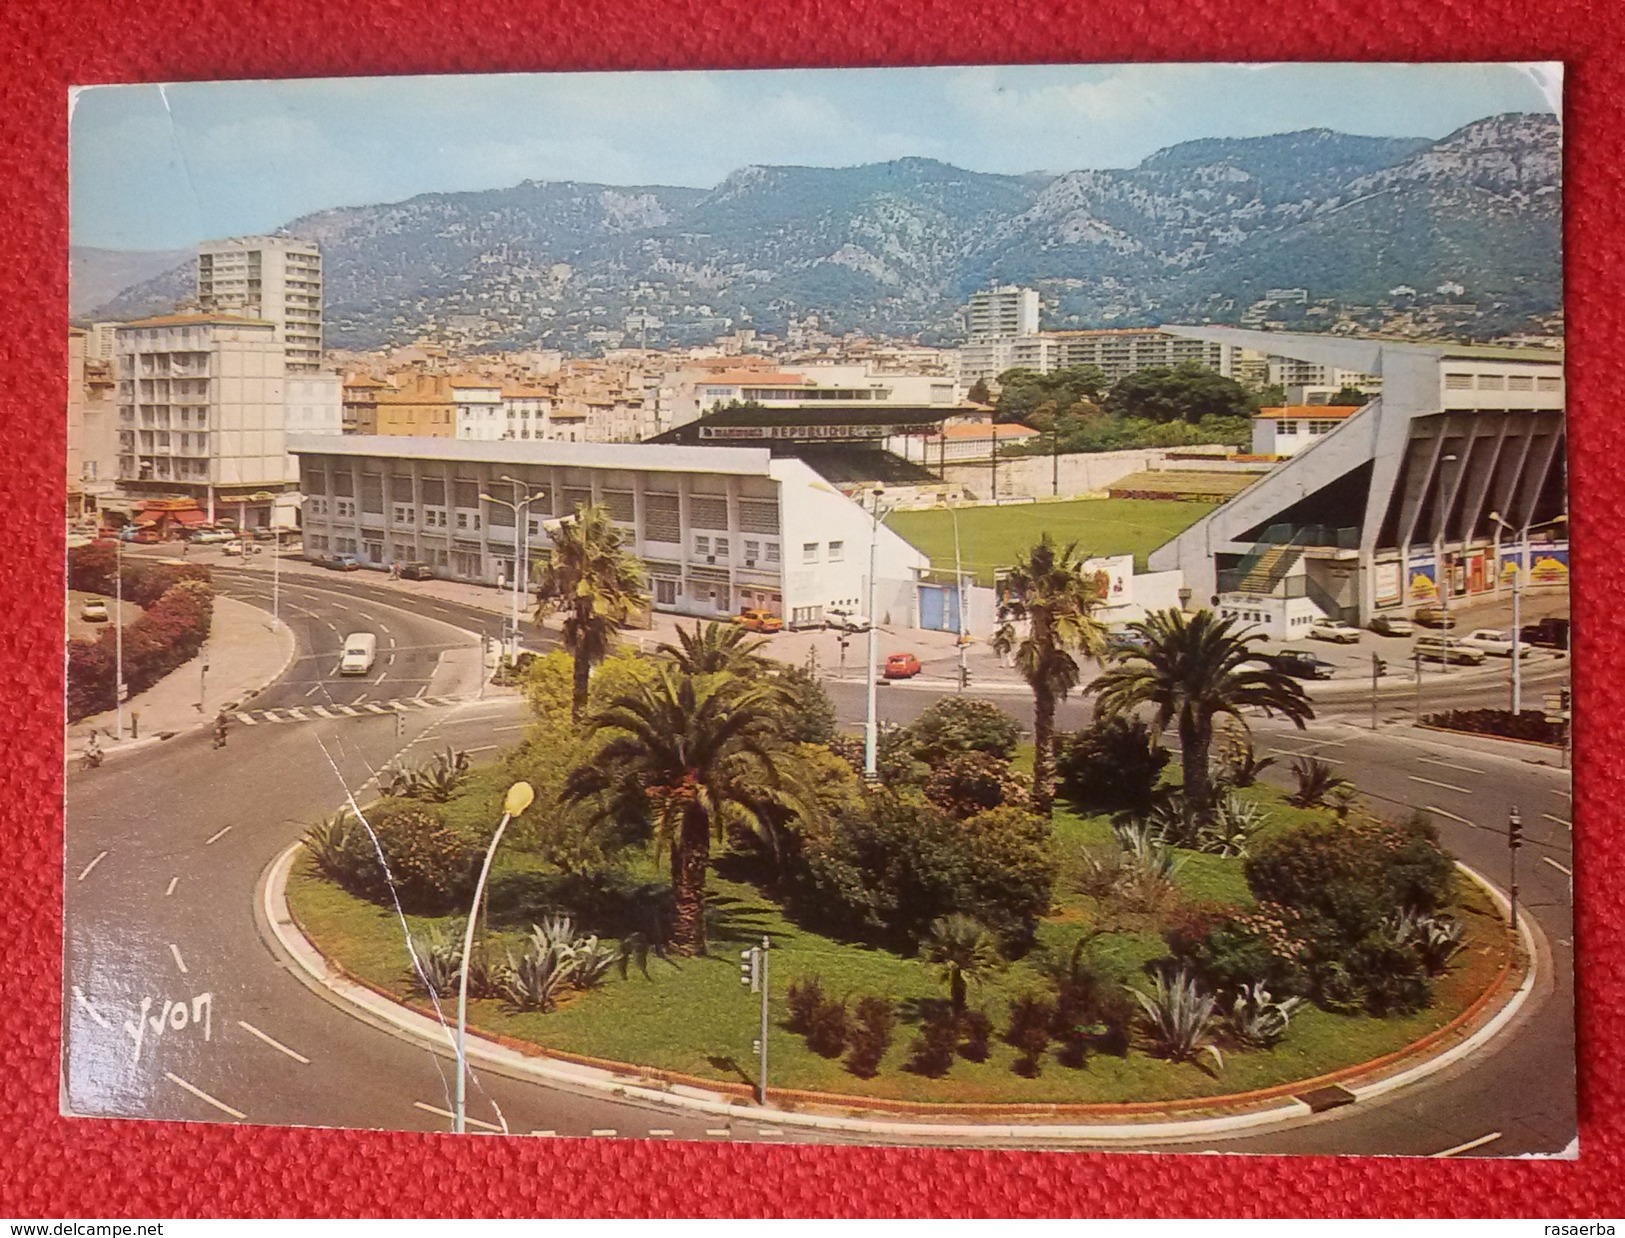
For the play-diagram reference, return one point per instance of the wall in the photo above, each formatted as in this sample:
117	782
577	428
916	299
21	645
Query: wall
1080	473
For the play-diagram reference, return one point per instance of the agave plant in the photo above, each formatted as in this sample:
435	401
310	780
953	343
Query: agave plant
1171	819
437	959
1239	762
1145	848
592	960
330	842
1178	1018
1234	823
1436	939
1317	782
534	980
1256	1019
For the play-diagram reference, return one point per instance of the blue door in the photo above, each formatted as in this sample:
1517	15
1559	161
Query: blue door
939	608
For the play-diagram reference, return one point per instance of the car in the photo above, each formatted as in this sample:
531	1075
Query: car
754	619
1393	625
1334	630
213	537
140	534
1547	634
1435	617
1447	649
417	571
231	547
94	611
1123	644
342	563
1302	664
1494	642
846	621
360	651
265	533
901	666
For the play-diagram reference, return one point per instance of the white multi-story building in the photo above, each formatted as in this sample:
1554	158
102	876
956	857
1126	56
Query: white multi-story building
202	413
1003	313
1286	431
717	528
314	405
277	279
525	414
480	413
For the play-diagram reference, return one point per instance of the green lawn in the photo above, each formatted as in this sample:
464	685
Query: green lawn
694	1017
993	537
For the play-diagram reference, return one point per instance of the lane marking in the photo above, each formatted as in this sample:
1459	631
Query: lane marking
390	661
320	711
314	688
447	1113
718	1130
205	1097
660	1130
170	889
79	996
381	675
248	719
1466	769
1306	752
1448	786
179	962
220	833
768	1130
297	712
1567	825
339	606
421	690
605	1132
85	871
275	1044
546	1134
1568	795
384	628
334	627
483	748
1548	859
1443	813
499	730
1470	1144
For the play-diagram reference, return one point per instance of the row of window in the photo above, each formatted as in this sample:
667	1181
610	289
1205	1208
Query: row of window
721	547
1313	427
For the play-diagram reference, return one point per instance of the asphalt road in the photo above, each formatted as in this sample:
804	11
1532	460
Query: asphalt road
165	847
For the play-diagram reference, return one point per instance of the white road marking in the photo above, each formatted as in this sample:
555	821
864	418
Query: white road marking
297	713
170	889
1470	1144
1568	795
1567	825
546	1134
605	1132
220	833
334	627
384	628
79	996
381	675
375	708
718	1130
390	661
1466	769
483	748
447	1113
1548	859
1448	786
358	700
1305	752
275	1044
498	730
421	691
320	711
248	719
340	606
179	962
660	1130
1451	815
205	1097
768	1130
314	689
85	871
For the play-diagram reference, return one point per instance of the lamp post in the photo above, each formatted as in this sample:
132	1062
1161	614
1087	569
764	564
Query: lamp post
1517	601
959	585
521	548
118	637
517	800
871	725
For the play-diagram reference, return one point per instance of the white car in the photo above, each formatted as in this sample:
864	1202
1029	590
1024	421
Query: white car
847	621
1334	630
1493	642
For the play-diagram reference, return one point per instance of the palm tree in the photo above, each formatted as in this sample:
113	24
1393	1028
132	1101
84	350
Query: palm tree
590	578
963	950
1050	591
1194	670
706	752
714	647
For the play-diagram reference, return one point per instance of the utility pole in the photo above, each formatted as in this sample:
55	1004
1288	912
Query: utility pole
1378	666
871	728
1055	462
993	429
1514	841
1517	639
118	637
1417	716
753	972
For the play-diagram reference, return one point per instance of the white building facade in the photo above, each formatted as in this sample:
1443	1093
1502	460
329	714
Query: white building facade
278	279
717	528
1003	313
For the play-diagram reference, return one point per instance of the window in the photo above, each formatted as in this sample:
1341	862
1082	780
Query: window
809	552
316	541
1286	427
753	551
702	544
344	508
1322	427
402	513
772	552
722	547
837	552
469	521
434	517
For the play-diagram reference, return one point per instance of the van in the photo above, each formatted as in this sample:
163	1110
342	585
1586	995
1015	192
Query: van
1447	649
360	651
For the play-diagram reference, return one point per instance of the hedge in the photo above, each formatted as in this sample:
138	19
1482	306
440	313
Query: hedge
168	635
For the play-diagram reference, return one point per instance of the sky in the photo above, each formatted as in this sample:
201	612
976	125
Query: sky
167	166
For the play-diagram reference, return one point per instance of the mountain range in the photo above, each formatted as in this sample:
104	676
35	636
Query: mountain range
1197	231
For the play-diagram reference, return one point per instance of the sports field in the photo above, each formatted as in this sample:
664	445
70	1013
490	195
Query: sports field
992	537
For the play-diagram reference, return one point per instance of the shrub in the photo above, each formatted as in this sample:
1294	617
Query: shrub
1093	1009
428	865
810	714
961	724
1316	782
437	956
975	1030
1255	1020
1231	830
887	867
434	781
895	763
1436	939
963	784
169	634
869	1036
1177	1018
1111	766
931	1053
1230	950
1031	1016
1239	764
1530	724
535	979
803	997
827	1028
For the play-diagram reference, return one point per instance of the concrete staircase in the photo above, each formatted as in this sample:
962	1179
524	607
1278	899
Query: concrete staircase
1261	572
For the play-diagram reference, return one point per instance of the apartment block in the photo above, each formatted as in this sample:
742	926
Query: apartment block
276	279
1003	313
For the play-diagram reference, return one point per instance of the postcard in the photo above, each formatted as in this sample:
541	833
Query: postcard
1014	607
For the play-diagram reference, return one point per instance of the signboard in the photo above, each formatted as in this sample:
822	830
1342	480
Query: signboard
1422	585
1114	578
1386	584
1548	563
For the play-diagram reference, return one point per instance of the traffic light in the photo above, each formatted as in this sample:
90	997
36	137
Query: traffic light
1563	700
964	677
1514	831
750	968
1378	665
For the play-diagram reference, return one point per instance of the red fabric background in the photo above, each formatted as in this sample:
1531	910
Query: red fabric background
52	1166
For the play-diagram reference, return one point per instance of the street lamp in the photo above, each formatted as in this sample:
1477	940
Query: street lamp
1443	575
521	546
871	728
118	635
1517	600
959	585
515	802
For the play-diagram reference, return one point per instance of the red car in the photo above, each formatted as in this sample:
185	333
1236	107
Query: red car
901	666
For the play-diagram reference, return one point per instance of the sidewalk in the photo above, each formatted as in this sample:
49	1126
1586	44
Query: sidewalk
243	654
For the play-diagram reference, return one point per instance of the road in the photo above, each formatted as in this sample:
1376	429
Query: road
165	848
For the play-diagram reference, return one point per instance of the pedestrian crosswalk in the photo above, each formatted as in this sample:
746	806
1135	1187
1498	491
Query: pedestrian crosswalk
364	709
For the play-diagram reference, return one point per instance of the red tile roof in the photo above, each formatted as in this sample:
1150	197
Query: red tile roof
1316	412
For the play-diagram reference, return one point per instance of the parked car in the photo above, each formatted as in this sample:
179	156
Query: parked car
140	534
1495	643
1393	625
1123	644
1302	664
213	537
901	666
846	620
265	533
1334	630
360	651
417	571
754	619
1435	617
1547	634
1449	649
94	611
342	563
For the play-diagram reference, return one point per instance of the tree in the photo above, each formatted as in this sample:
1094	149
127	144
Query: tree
963	724
1049	592
706	752
1349	397
962	951
978	393
1187	393
1193	671
713	647
590	578
1022	393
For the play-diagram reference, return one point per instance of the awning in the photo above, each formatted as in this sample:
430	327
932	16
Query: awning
191	517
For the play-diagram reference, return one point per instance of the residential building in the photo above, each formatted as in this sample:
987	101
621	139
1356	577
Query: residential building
717	528
1002	313
202	408
1288	430
274	278
360	404
92	428
525	413
421	408
478	405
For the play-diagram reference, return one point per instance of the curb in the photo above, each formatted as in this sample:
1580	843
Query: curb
631	1083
